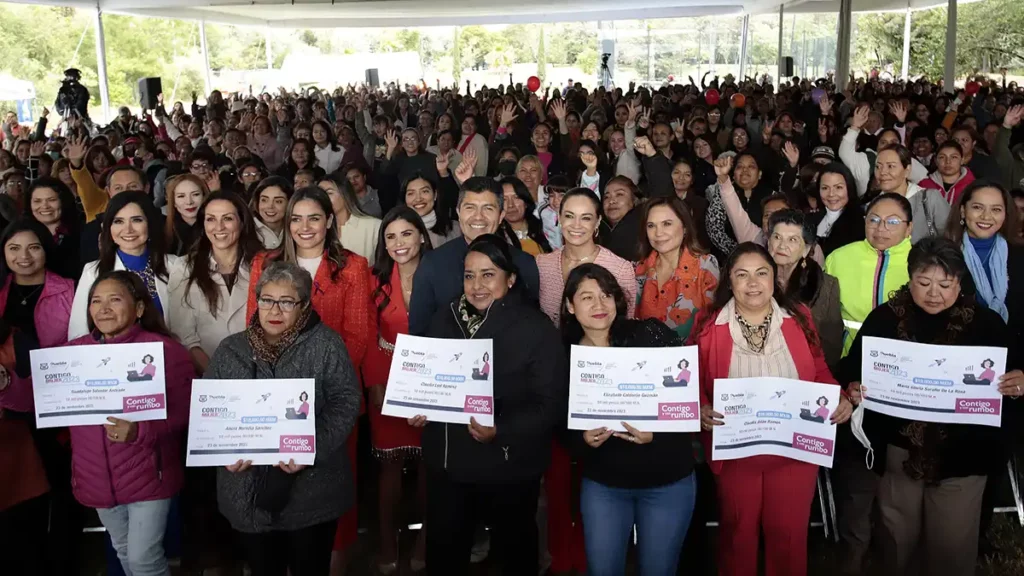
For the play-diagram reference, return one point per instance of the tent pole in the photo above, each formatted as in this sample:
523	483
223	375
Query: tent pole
206	57
101	65
843	44
906	47
949	76
782	14
270	51
743	48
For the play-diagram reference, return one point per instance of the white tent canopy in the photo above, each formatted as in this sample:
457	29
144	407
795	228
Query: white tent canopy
14	89
414	13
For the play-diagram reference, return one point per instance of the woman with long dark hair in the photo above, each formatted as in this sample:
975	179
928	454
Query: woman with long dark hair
842	221
676	277
521	227
328	153
754	329
185	194
131	239
357	230
402	241
341	296
300	157
268	205
422	193
628	479
50	202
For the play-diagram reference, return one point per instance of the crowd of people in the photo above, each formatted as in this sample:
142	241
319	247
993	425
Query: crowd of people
296	235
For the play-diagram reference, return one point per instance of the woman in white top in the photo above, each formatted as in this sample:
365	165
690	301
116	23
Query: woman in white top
328	153
268	204
208	304
358	230
421	193
131	239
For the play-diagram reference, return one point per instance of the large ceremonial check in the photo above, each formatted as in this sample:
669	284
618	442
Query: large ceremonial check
445	380
777	417
932	383
265	421
84	385
651	389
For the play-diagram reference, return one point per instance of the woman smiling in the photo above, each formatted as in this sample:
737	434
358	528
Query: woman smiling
185	194
268	205
131	239
52	205
422	195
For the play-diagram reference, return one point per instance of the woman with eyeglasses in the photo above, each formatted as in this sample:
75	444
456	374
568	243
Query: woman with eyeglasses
250	173
340	296
412	158
285	516
400	247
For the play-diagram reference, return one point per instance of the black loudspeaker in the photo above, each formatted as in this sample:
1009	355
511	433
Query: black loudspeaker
372	78
787	67
149	89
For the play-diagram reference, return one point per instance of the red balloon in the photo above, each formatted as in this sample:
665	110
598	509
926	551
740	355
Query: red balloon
972	87
712	97
671	78
533	84
738	100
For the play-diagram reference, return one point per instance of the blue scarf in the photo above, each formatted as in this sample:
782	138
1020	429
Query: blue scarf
993	285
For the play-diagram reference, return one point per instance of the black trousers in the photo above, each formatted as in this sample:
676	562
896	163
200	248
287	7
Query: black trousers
23	539
454	510
305	552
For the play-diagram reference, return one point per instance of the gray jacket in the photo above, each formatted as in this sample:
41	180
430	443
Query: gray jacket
324	491
930	212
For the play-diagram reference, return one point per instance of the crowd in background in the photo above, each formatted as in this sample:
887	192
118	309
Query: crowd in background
295	235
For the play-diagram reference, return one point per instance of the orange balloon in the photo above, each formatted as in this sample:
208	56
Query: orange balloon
738	100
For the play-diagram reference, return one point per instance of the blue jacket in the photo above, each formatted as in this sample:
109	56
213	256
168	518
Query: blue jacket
438	281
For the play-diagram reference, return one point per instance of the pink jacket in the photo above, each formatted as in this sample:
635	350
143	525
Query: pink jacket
52	314
552	284
106	474
934	182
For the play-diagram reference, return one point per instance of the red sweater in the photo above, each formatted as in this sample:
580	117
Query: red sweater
714	345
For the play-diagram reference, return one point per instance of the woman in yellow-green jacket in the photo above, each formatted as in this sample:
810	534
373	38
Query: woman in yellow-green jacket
868	272
870	269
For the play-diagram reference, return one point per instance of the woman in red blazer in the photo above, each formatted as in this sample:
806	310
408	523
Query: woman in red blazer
341	296
752	330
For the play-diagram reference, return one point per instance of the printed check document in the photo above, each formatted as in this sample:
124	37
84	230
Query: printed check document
445	380
84	385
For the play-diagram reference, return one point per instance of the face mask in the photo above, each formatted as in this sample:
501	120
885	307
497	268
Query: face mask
857	427
507	167
54	154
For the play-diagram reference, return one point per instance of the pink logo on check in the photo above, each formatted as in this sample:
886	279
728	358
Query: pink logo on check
985	406
677	411
478	405
298	444
814	444
143	403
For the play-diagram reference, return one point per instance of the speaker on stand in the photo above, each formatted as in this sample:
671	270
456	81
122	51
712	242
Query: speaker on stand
149	89
372	78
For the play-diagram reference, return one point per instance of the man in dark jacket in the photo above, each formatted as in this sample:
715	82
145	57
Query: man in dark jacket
438	279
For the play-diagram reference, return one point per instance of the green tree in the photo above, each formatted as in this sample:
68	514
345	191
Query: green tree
587	59
542	58
457	56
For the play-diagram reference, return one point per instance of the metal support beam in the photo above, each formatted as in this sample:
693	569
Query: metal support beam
906	47
782	14
949	74
743	48
843	44
206	58
270	51
101	65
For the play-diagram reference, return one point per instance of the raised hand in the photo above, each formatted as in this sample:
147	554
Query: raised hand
723	168
642	144
860	117
76	149
441	161
465	169
899	110
822	129
825	105
645	119
391	140
558	107
790	151
37	149
1013	116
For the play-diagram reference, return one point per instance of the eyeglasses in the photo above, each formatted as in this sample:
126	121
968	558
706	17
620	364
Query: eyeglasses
285	305
890	222
411	140
250	174
200	166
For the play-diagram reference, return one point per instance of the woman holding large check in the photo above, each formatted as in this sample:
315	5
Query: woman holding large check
753	330
933	472
493	472
285	515
129	471
634	477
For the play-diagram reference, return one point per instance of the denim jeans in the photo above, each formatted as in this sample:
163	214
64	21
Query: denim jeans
661	516
137	533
